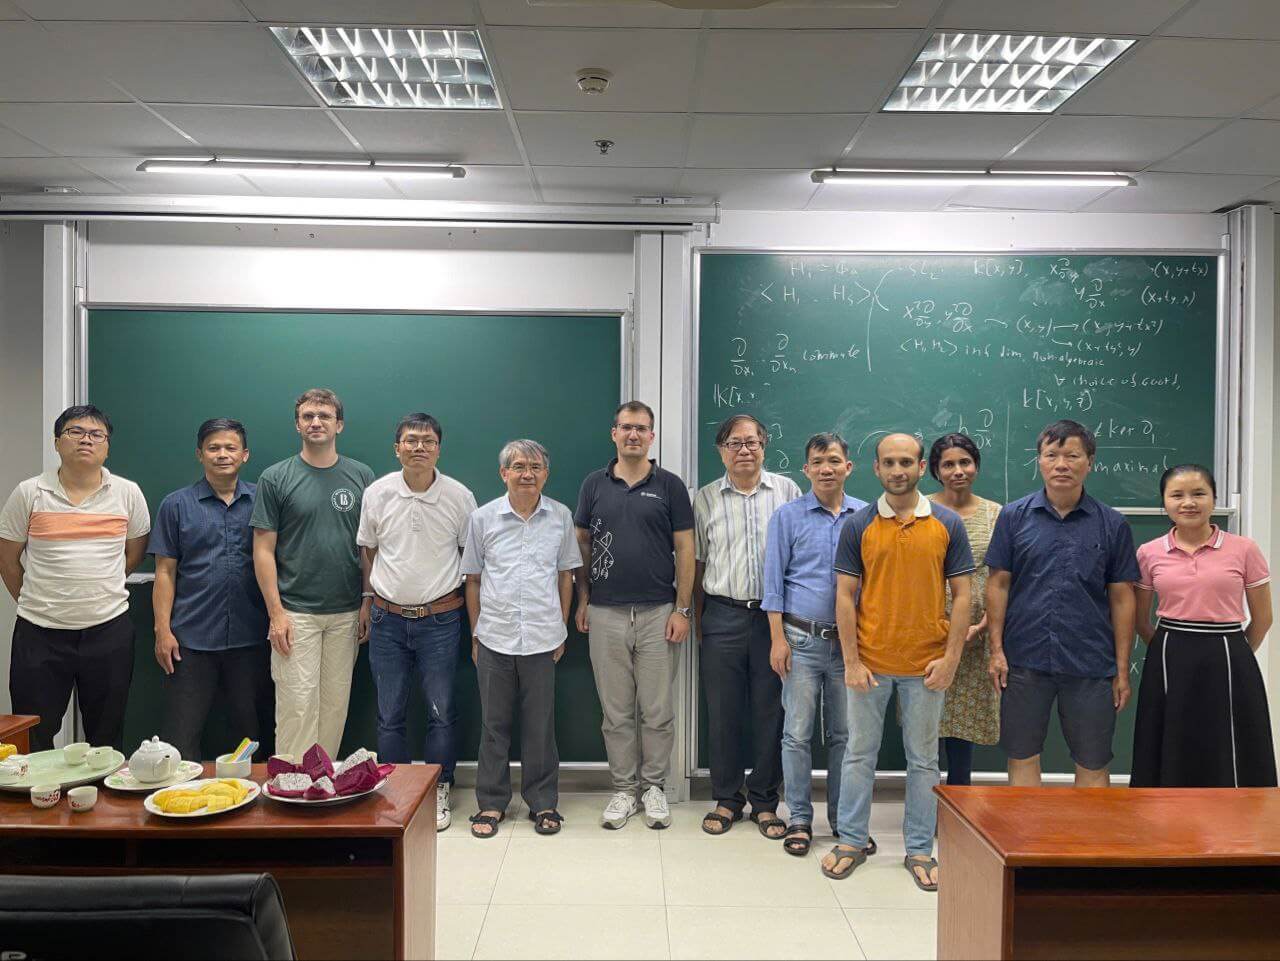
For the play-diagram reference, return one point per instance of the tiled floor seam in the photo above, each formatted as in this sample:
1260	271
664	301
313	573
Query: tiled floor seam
856	940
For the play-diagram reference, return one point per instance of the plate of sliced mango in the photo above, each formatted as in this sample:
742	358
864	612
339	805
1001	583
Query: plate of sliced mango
198	799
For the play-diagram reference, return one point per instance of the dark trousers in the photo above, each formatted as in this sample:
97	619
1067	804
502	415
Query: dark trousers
47	663
240	677
529	682
734	662
959	754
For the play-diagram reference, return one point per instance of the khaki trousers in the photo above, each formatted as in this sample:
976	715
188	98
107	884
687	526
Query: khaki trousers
635	669
313	683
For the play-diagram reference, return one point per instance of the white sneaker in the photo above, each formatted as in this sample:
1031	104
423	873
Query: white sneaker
656	813
444	816
618	811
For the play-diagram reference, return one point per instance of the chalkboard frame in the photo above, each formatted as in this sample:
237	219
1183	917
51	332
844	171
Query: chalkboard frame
1226	439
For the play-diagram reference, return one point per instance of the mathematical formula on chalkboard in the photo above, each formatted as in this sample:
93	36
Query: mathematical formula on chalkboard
992	346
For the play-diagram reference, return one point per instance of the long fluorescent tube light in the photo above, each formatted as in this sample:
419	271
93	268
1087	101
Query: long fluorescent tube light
304	168
969	178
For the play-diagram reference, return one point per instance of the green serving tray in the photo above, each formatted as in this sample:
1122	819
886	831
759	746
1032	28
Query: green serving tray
49	767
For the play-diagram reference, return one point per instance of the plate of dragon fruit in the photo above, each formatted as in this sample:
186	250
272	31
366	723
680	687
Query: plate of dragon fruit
317	780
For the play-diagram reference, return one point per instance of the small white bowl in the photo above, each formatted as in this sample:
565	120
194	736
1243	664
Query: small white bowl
74	754
223	766
46	795
82	798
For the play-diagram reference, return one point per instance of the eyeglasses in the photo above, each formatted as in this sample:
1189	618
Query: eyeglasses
520	467
736	445
631	428
424	443
79	433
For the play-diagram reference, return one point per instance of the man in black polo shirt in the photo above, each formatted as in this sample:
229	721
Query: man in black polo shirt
632	517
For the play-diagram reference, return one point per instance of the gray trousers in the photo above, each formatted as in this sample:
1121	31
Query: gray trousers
530	681
635	669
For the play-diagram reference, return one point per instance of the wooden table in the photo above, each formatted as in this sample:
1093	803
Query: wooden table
1108	873
358	878
14	730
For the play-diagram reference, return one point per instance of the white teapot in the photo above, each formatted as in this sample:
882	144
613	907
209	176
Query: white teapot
154	760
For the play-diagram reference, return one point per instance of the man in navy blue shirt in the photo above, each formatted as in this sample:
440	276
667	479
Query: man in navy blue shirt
1060	613
210	619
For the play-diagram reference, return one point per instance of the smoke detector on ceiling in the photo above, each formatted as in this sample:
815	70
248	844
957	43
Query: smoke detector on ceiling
594	80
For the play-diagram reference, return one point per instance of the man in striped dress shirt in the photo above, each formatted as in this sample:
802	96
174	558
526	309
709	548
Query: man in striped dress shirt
731	518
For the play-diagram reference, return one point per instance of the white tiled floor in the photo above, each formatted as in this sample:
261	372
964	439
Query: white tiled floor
677	893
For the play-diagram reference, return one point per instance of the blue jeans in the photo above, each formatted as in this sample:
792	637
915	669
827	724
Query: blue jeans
398	645
921	715
816	680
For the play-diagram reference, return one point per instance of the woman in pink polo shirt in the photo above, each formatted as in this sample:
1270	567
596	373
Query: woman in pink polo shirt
1202	708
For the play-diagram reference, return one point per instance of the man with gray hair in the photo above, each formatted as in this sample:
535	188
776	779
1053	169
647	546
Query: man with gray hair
519	559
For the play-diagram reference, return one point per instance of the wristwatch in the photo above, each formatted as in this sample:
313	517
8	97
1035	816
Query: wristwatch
685	612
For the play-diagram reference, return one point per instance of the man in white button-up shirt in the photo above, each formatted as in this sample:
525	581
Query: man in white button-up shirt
519	560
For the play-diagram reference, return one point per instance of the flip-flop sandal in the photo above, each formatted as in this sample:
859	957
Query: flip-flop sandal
913	861
487	819
797	840
547	822
724	821
765	820
871	847
843	853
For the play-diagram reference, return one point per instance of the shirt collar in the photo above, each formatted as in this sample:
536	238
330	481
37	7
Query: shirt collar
653	469
1041	500
204	490
49	481
767	480
429	496
1214	542
923	506
811	503
504	505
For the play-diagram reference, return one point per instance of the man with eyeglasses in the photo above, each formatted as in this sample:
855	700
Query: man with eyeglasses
83	529
731	520
413	527
635	531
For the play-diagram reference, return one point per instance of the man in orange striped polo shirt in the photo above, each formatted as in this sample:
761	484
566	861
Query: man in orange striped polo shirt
83	529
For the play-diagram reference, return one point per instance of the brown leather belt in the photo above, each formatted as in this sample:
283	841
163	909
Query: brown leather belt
828	632
441	605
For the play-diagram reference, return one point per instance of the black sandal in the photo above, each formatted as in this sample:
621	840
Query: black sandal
486	819
842	852
724	821
547	822
871	847
767	819
797	839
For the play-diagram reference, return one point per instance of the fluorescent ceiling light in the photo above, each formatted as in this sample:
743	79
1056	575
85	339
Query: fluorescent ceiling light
409	68
970	178
304	168
1001	73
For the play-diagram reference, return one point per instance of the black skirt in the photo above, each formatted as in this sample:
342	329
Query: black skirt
1202	718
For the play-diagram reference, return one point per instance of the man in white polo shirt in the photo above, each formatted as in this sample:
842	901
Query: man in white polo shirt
413	526
83	530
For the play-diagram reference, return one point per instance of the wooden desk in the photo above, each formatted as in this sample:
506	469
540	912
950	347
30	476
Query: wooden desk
14	730
1108	873
358	879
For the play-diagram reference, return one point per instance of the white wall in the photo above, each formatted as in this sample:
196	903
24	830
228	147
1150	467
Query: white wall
23	437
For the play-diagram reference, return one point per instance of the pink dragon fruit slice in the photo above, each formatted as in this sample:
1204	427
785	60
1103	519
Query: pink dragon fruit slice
362	777
358	756
282	764
289	784
317	762
384	770
320	790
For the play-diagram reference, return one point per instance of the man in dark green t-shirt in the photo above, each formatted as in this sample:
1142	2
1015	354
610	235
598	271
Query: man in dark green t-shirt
304	554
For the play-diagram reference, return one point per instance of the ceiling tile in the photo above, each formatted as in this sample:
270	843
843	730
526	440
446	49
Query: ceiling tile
838	14
15	145
909	138
750	189
396	13
1268	111
36	66
92	129
1121	143
31	175
188	63
1026	198
855	197
1270	194
9	12
426	135
539	68
640	139
1173	77
497	185
781	71
1244	19
207	10
124	172
1179	193
600	185
265	131
1242	147
769	140
631	14
1078	16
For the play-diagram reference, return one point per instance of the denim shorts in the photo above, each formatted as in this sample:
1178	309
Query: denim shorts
1085	710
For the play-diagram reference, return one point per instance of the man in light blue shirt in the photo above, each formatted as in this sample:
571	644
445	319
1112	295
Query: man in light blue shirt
519	560
800	598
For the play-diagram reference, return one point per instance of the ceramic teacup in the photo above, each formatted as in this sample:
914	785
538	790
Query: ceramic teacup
13	769
75	753
99	756
46	795
83	798
225	767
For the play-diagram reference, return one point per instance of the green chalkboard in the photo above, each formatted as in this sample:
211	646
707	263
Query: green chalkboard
488	379
995	346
